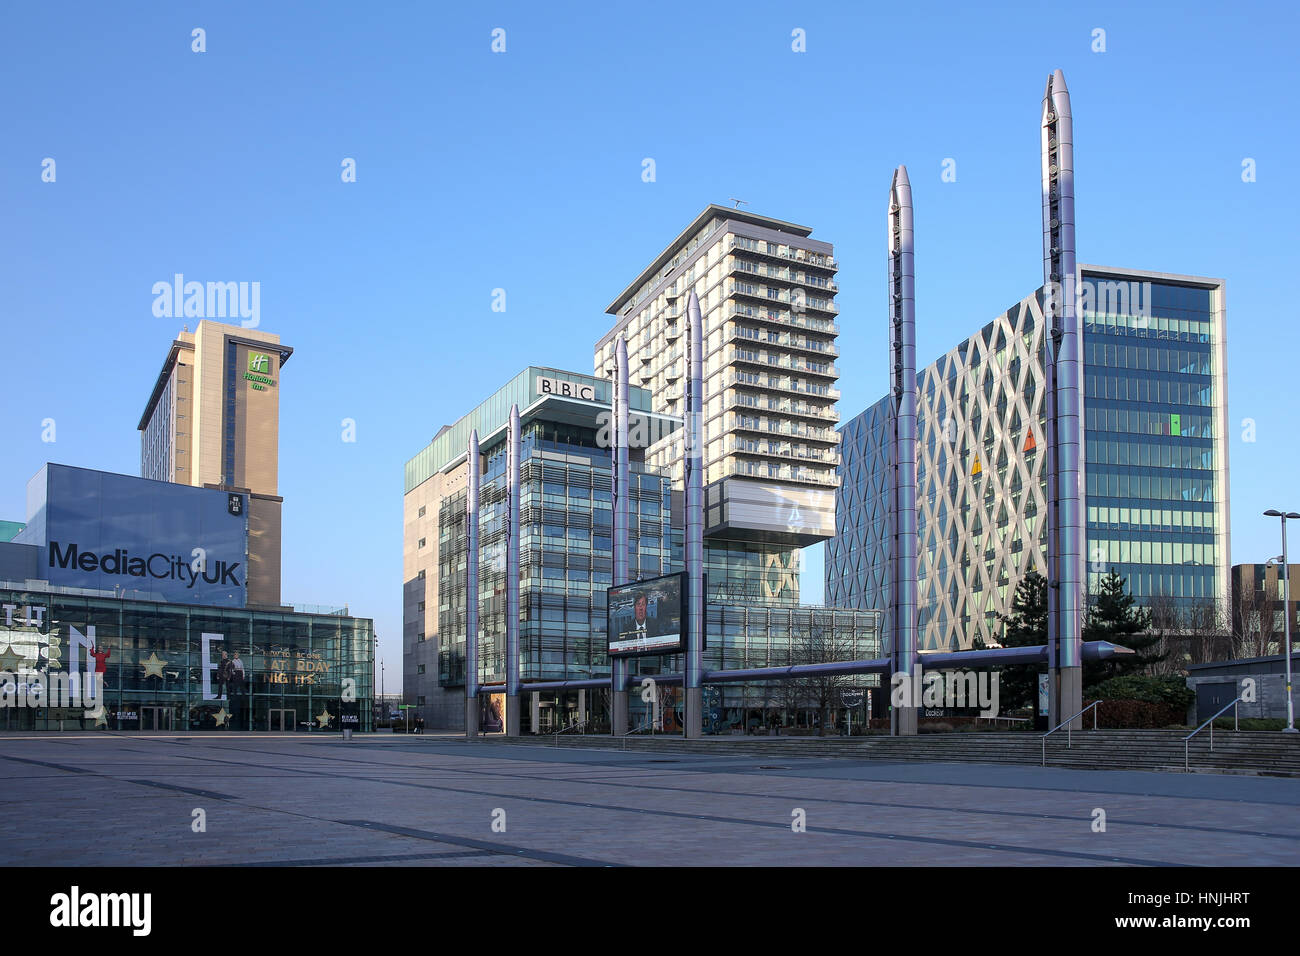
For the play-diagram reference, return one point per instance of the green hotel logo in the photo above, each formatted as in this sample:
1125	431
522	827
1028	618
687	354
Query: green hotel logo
258	374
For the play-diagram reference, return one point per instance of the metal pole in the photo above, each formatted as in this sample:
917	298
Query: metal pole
694	543
513	469
902	358
1286	620
620	479
472	709
1065	531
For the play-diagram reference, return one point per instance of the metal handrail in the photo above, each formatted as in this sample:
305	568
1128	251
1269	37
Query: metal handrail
564	730
1236	726
1069	740
648	724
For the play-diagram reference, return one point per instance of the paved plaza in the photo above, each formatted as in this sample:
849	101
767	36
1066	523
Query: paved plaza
305	800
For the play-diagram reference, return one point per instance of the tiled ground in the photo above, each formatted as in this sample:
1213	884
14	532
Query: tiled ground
303	800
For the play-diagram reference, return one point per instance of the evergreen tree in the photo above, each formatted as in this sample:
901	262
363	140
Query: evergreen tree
1026	626
1113	616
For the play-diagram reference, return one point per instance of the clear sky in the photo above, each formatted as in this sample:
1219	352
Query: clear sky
522	171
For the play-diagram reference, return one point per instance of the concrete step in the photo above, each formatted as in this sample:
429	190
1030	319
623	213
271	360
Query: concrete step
1243	752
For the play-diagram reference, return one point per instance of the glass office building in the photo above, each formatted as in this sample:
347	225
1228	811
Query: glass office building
1155	472
565	558
160	672
566	524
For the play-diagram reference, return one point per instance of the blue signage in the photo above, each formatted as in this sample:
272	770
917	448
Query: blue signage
139	538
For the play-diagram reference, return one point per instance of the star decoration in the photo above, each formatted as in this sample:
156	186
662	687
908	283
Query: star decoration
222	717
101	717
323	718
9	661
153	665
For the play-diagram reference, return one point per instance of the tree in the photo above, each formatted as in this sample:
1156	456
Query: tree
1115	617
818	644
1189	632
1252	622
1025	626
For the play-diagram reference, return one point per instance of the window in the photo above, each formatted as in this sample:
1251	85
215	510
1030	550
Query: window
422	510
419	668
421	574
421	606
419	638
421	544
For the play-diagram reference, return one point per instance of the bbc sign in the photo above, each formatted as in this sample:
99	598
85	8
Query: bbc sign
555	386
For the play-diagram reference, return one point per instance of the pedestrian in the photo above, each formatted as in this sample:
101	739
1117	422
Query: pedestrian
235	677
223	675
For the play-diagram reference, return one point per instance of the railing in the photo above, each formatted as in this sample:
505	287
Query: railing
1009	720
1069	741
564	730
1236	725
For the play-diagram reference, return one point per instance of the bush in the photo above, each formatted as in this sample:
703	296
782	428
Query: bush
936	727
1134	715
1250	723
1172	691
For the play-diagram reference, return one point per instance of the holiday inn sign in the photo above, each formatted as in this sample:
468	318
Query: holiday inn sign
259	364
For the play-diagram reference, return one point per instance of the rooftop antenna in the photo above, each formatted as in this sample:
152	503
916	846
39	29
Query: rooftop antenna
738	202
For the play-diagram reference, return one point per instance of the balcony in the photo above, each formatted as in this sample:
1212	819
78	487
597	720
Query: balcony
798	474
781	317
784	451
766	338
767	359
777	384
820	260
769	426
826	413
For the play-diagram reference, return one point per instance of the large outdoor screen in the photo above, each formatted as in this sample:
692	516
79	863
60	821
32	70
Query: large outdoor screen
648	617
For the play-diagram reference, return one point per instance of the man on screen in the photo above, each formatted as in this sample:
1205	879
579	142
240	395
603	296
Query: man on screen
640	623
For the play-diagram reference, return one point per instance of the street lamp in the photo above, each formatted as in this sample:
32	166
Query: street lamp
1286	615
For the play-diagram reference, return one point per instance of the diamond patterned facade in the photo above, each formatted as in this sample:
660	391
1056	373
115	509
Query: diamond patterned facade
1156	493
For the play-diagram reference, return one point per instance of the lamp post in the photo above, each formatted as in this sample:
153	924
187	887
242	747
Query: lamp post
376	715
1286	615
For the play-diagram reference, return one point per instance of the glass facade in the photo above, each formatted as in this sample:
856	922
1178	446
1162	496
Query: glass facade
1155	470
492	414
162	668
1155	455
565	559
753	618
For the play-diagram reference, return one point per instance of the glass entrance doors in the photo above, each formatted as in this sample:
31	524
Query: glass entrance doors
155	718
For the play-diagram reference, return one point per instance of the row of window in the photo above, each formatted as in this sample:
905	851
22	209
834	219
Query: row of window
1161	391
1149	454
1153	358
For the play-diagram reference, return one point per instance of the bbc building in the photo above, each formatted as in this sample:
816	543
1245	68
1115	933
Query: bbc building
122	596
753	614
1155	475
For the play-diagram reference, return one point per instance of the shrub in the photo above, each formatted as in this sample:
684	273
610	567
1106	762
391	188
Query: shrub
1250	723
1134	714
1169	690
937	727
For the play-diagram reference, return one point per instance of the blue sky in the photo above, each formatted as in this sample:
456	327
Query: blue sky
522	170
